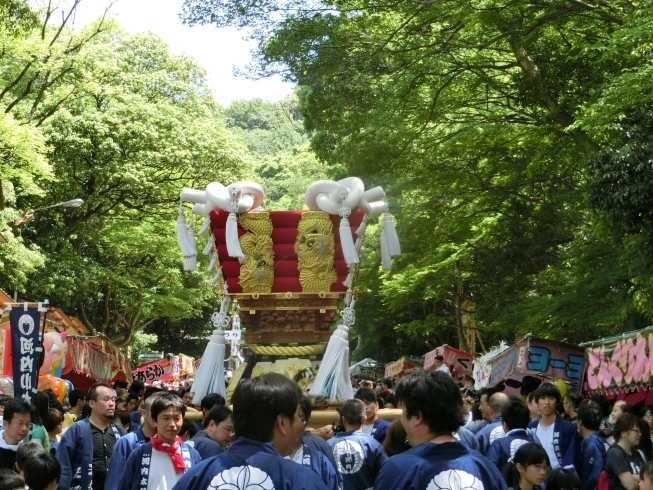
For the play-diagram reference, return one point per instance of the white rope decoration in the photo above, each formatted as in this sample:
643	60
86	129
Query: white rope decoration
240	197
340	198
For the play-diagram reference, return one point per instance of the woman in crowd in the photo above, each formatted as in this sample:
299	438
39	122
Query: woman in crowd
54	426
645	444
186	396
623	461
38	432
188	430
647	416
561	479
527	469
646	476
395	441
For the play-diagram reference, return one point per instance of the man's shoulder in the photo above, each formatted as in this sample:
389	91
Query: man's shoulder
380	423
141	450
565	425
260	469
75	430
128	439
485	431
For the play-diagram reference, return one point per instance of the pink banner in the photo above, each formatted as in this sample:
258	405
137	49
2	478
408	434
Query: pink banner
620	364
540	357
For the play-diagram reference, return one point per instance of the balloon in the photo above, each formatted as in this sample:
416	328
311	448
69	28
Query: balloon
55	384
562	386
59	351
47	351
7	385
68	360
69	389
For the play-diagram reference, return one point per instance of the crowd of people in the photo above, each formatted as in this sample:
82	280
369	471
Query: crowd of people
142	438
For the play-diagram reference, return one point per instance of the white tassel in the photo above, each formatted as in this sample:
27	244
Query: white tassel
386	259
347	243
233	245
182	235
206	226
348	282
217	276
358	245
208	248
214	260
361	228
190	262
391	238
333	376
210	375
344	382
326	381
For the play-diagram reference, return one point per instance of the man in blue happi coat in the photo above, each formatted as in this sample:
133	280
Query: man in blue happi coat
136	418
594	445
161	462
85	450
267	421
375	426
208	403
494	429
431	411
216	435
126	445
314	460
315	443
515	417
359	457
558	437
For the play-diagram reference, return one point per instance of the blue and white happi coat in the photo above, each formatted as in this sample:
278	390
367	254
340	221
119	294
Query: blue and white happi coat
137	470
446	466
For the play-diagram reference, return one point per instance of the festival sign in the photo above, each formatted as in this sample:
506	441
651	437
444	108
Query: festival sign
459	361
25	348
482	365
619	364
161	370
396	369
538	358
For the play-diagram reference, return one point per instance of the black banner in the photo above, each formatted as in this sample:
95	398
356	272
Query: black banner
25	345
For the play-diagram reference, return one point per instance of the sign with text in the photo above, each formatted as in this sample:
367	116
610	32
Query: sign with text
25	346
160	370
458	362
396	369
619	363
230	335
538	357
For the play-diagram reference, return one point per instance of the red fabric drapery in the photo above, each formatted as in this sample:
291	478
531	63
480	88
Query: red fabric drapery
284	234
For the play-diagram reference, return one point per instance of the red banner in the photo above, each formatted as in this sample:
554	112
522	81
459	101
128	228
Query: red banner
458	361
161	370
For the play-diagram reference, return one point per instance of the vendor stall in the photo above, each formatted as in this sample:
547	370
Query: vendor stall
521	368
398	368
459	362
482	365
620	367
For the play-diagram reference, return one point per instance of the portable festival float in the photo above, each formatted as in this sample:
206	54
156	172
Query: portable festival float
290	273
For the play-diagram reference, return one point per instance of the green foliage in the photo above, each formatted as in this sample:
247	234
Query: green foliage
117	120
512	139
142	342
